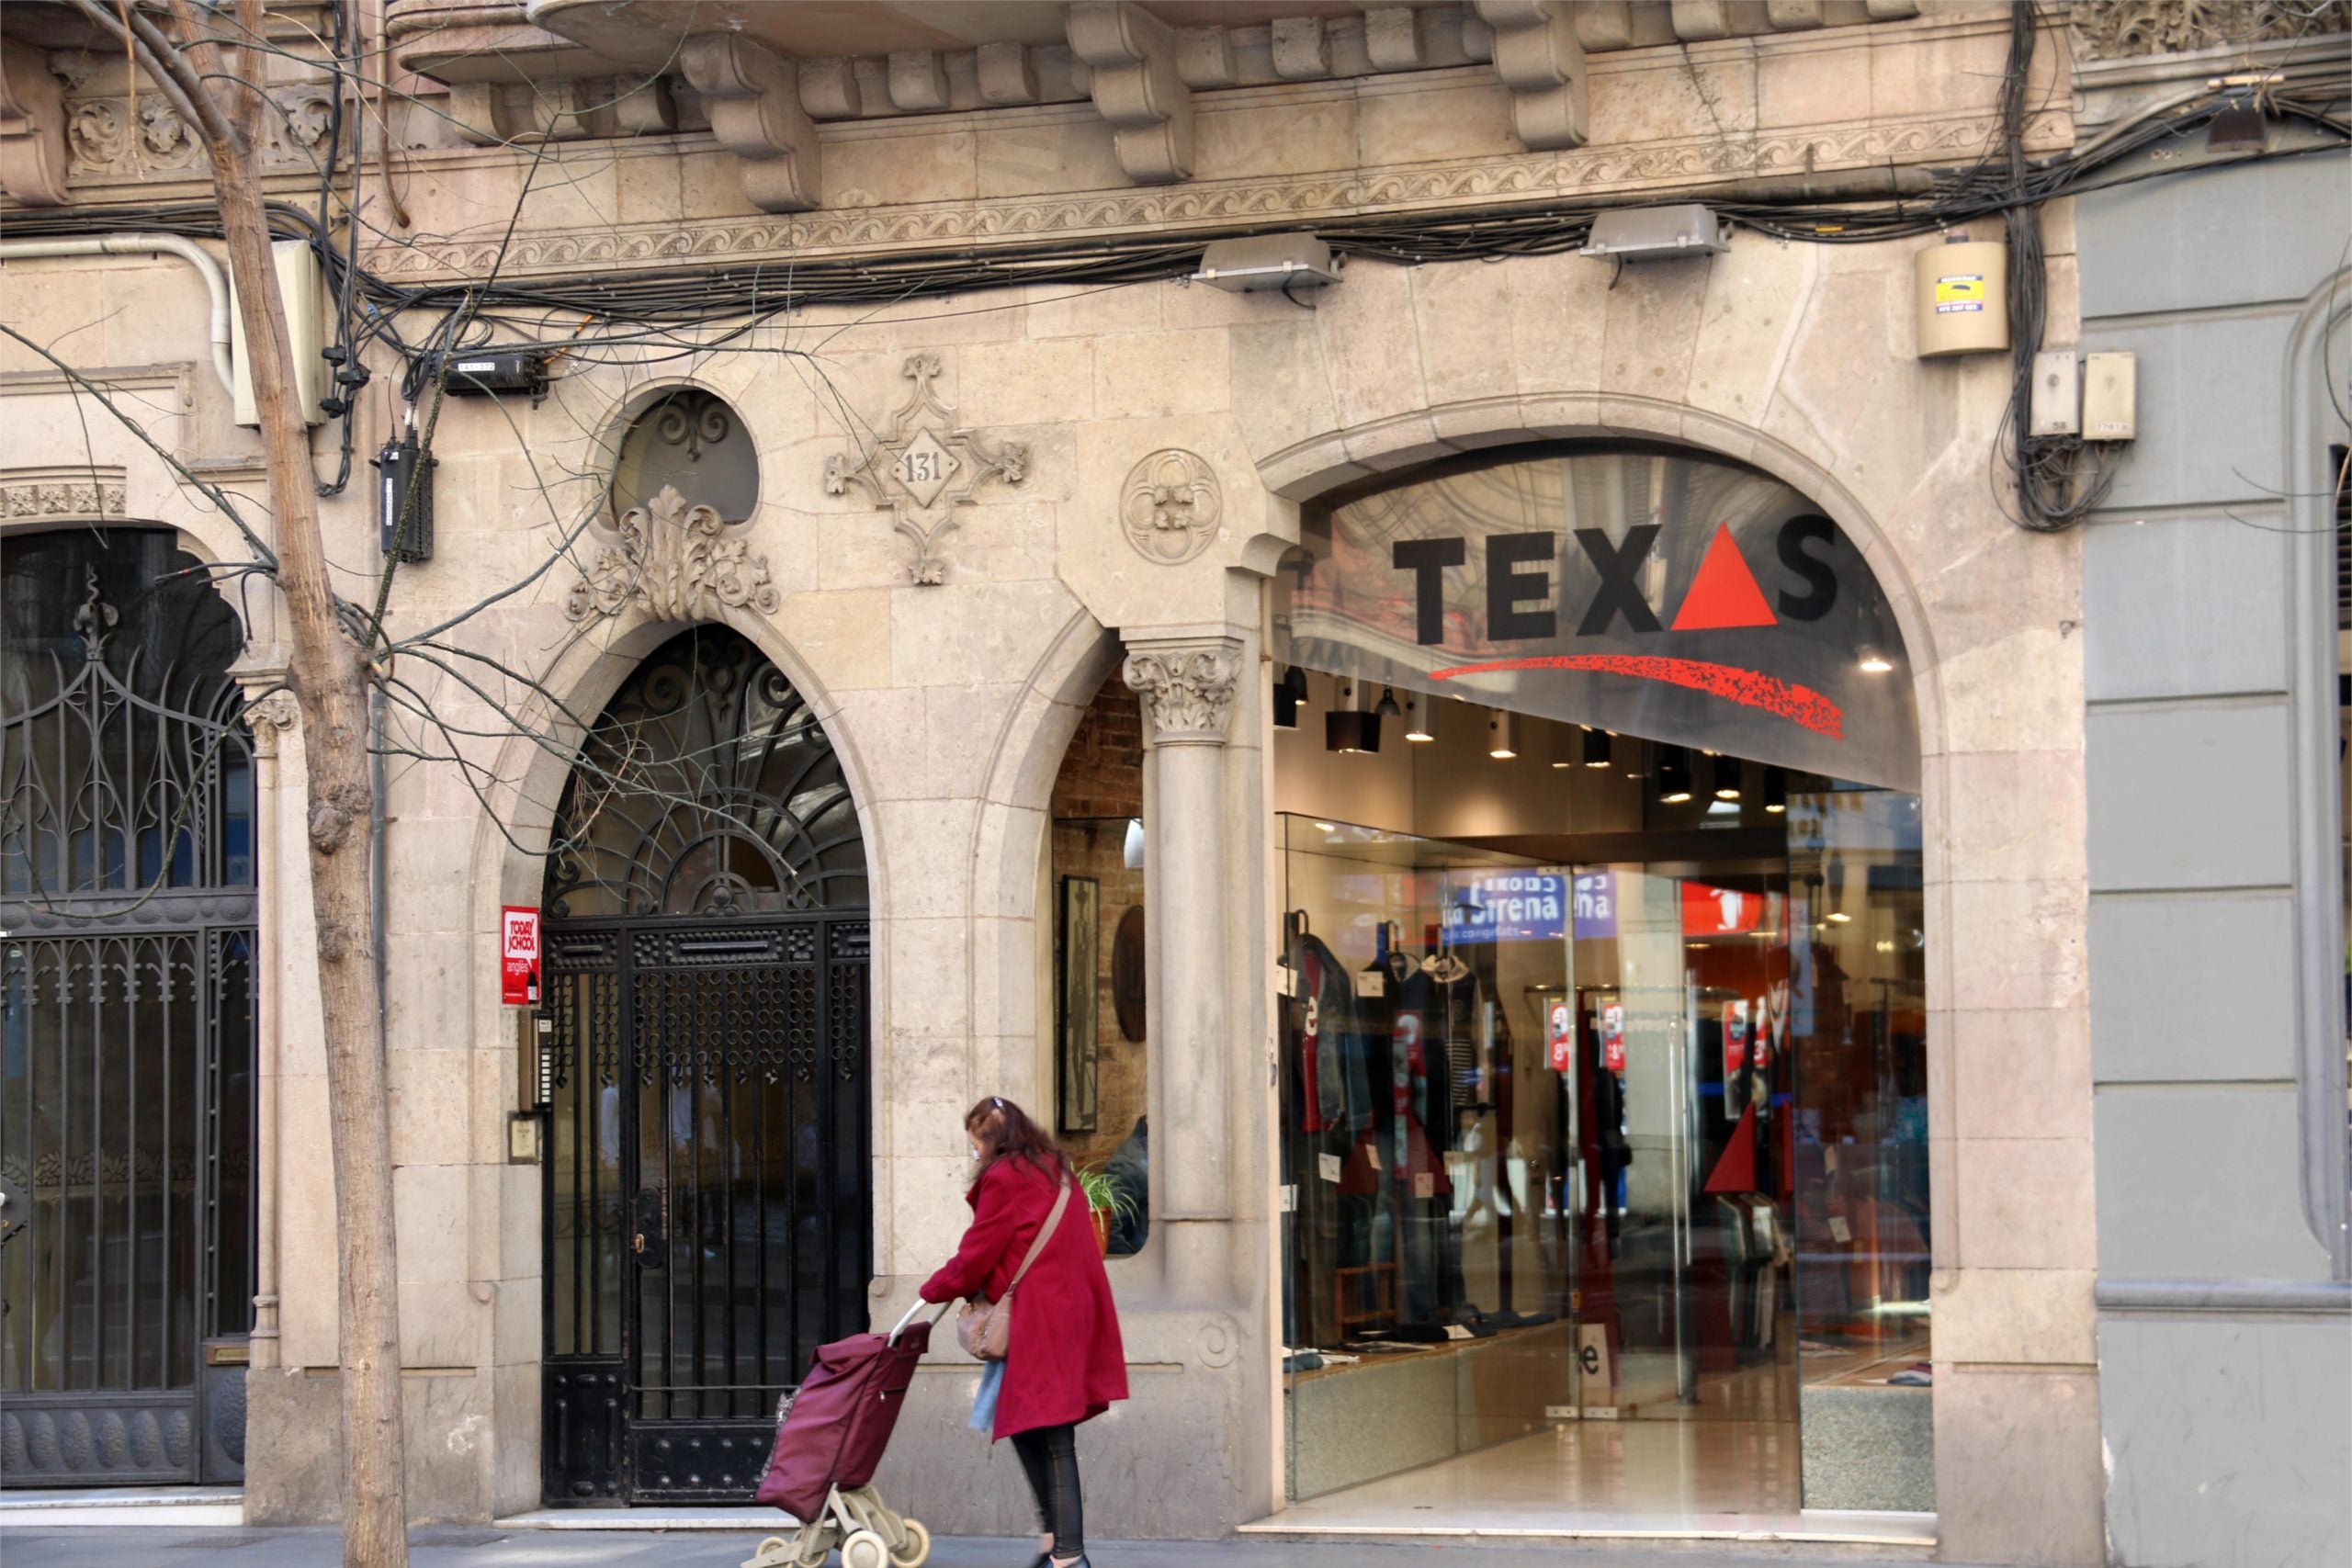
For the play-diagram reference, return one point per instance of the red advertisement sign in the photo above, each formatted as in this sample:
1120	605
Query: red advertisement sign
1561	1032
1720	912
1612	1037
1735	1039
518	956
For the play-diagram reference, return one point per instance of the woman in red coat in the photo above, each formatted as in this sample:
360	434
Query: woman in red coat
1064	1364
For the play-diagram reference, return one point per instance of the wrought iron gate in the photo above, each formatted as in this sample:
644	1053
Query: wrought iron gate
703	975
126	982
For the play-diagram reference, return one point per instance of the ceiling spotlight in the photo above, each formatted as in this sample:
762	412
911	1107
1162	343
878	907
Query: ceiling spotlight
1725	776
1388	708
1564	749
1871	659
1673	774
1776	791
1502	734
1596	747
1839	917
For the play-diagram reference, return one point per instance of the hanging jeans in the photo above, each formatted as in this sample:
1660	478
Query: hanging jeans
1049	1455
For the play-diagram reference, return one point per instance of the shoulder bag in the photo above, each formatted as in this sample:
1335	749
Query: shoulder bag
984	1328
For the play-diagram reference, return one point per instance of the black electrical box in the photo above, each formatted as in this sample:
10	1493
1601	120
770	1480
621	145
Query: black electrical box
405	498
488	374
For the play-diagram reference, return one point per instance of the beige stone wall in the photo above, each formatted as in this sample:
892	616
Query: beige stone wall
951	704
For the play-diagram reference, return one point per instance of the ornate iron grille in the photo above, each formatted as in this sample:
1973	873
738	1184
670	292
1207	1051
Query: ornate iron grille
707	788
707	1189
126	1016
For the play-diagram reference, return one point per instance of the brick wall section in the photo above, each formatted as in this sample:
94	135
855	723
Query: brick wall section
1102	771
1099	788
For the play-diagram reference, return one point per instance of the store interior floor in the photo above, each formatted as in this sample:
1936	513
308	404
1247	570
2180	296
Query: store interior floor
1708	1479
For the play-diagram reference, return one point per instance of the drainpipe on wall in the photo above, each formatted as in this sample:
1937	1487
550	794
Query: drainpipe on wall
216	282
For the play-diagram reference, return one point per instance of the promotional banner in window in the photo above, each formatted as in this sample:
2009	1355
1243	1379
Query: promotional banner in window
1685	599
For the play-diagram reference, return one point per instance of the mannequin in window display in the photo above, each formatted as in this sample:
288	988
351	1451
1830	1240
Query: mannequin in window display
1327	1099
1437	1014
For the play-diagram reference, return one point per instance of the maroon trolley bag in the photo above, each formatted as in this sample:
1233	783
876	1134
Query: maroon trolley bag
839	1421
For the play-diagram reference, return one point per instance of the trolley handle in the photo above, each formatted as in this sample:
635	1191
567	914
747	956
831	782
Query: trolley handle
937	1313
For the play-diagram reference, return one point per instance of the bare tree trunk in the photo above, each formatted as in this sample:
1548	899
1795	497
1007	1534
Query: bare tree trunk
330	681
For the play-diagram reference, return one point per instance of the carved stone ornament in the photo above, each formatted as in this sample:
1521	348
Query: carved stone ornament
677	561
75	493
1187	690
1170	506
32	129
926	468
2114	30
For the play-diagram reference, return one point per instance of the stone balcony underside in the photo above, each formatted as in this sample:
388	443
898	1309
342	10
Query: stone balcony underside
763	76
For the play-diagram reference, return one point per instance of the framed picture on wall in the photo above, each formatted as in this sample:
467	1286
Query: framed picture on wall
1078	989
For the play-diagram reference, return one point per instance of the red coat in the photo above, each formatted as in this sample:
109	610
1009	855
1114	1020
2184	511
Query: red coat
1066	1363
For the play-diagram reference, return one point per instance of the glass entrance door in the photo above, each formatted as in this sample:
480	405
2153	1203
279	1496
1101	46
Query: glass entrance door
1679	1277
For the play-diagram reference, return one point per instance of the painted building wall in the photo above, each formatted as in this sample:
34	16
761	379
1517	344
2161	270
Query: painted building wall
2216	961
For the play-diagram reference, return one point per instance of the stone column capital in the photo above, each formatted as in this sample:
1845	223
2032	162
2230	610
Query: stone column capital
1187	687
270	709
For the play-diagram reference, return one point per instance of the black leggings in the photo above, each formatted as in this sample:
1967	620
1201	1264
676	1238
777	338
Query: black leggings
1049	1455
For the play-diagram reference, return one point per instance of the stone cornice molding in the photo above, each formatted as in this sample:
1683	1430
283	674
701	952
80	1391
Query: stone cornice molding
1529	180
1187	686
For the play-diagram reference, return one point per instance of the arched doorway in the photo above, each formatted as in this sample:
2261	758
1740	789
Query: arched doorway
706	1072
127	905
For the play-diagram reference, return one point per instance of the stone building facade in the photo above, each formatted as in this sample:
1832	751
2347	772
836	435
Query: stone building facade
986	520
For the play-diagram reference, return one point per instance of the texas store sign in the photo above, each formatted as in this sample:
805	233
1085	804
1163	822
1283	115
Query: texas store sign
1685	599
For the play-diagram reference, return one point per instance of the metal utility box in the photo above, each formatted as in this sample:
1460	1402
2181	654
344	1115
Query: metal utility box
1652	233
1267	261
1963	288
2057	392
302	284
2110	397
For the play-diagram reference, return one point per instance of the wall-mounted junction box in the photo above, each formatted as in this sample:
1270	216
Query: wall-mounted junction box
2057	393
302	284
2110	397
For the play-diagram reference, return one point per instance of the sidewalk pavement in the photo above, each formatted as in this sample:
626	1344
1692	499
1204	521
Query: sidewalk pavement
490	1547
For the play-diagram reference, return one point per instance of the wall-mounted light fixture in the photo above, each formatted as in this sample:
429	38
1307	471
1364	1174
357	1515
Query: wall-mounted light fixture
1268	261
1657	234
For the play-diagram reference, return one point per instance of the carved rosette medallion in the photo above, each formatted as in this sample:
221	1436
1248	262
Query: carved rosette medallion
677	561
1187	689
1170	506
926	468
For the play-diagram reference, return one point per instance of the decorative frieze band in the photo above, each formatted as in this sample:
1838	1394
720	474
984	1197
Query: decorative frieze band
74	494
1529	178
1187	689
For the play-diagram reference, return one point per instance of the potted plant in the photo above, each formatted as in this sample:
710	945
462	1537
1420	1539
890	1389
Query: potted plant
1105	1200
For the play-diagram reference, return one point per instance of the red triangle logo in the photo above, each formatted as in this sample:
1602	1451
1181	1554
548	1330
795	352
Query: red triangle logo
1736	1170
1724	592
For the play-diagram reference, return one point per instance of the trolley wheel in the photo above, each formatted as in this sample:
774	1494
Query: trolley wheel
865	1549
915	1548
775	1551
